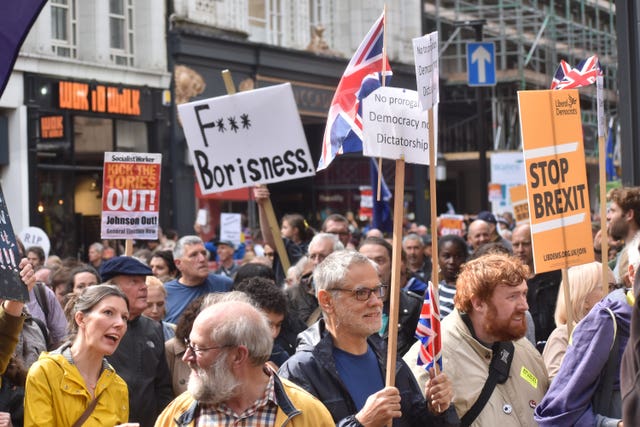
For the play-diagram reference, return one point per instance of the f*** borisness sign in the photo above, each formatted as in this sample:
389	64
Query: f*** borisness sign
247	138
556	173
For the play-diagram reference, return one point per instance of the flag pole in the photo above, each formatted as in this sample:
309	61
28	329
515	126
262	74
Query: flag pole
434	224
396	258
604	238
384	83
434	207
268	207
398	212
567	300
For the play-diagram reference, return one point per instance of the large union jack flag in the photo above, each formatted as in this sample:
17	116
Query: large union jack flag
583	75
343	133
428	331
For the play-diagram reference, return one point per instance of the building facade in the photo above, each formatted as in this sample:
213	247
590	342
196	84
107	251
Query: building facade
309	43
96	76
91	77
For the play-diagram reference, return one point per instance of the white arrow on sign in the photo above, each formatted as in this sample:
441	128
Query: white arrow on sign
482	57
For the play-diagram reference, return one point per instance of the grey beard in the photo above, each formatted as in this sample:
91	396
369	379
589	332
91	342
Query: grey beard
214	385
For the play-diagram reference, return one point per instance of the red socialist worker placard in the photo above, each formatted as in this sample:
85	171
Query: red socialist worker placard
131	195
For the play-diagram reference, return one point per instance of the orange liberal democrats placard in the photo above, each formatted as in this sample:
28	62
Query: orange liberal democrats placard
451	224
556	178
520	203
131	195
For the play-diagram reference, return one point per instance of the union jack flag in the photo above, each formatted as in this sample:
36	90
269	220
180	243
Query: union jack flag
428	331
343	133
583	75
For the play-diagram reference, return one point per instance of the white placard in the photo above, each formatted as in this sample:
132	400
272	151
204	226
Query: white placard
248	138
231	227
395	127
507	169
203	217
35	236
425	53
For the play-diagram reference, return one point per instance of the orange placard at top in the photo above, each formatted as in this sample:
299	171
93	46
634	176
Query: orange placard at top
557	189
520	203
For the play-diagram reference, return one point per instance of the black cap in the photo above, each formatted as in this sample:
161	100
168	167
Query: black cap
123	265
487	216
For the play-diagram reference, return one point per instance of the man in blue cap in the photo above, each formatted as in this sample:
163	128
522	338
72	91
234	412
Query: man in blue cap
494	236
226	264
140	358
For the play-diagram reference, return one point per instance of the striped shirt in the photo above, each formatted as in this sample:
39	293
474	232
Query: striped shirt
446	298
261	414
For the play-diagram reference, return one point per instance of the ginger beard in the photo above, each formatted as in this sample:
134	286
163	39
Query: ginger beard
505	329
214	385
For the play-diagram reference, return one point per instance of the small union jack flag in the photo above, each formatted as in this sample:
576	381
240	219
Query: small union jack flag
428	331
583	75
344	128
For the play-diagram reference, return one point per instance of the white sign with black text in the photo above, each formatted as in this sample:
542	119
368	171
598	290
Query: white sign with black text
425	53
395	127
245	139
231	227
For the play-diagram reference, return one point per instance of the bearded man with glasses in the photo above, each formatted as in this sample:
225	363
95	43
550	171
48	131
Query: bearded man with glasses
230	383
345	369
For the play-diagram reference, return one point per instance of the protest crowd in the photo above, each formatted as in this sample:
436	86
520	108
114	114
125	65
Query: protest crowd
190	332
330	319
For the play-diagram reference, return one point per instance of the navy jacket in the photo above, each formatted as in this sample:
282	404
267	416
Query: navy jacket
314	369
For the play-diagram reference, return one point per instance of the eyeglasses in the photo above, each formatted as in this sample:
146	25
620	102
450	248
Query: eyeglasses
363	294
269	254
199	350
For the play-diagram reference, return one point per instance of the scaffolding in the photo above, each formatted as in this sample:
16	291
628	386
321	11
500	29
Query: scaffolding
530	37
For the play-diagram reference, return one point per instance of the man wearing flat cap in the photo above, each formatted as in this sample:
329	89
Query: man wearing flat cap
140	358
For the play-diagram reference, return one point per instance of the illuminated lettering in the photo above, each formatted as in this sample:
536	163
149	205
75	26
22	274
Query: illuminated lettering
99	98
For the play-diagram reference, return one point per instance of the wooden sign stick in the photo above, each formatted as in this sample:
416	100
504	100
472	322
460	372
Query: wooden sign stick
128	247
567	299
396	259
434	208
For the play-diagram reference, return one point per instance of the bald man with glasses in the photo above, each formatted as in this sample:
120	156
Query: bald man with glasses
230	382
345	369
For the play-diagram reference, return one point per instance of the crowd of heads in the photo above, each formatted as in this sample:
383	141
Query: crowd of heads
488	263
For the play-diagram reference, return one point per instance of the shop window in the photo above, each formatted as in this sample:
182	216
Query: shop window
321	14
131	136
64	28
92	137
121	32
266	21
